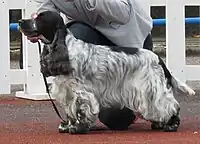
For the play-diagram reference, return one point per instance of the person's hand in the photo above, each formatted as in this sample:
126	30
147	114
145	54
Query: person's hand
33	39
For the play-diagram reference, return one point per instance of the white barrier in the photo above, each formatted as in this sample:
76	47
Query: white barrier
31	77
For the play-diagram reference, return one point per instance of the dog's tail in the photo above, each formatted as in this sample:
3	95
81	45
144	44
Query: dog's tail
181	87
177	85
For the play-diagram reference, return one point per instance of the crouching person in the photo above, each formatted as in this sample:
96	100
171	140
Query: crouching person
106	22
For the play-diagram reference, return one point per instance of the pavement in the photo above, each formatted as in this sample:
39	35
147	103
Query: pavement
35	122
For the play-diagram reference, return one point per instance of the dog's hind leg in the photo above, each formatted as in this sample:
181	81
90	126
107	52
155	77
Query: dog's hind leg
162	109
172	125
167	118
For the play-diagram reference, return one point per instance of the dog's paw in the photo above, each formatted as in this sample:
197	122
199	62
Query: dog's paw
78	128
73	129
157	126
171	128
172	125
63	128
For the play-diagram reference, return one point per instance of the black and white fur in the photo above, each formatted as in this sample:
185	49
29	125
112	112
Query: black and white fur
89	77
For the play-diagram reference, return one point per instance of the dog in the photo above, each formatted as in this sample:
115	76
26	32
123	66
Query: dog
89	77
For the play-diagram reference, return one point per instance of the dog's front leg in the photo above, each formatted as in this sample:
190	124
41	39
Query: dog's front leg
63	127
78	128
80	105
87	110
72	127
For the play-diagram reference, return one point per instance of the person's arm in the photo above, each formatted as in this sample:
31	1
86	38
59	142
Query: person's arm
117	11
46	5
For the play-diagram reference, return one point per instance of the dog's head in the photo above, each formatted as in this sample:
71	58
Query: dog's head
44	26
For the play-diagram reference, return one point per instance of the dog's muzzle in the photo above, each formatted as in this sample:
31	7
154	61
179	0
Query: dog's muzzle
28	27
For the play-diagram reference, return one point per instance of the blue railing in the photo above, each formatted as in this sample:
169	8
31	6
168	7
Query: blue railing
191	20
156	22
13	26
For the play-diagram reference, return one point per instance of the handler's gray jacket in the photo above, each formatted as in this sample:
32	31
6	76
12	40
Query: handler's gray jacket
124	22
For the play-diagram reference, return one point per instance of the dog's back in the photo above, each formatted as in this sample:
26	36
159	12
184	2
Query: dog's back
121	71
177	85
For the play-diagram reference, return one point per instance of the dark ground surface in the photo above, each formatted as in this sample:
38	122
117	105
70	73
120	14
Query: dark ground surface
35	122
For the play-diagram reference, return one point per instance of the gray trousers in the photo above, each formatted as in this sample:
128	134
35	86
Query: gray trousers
90	35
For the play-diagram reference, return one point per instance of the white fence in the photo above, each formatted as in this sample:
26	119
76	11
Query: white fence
31	77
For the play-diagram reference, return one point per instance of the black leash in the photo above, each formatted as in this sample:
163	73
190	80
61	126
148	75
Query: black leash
47	90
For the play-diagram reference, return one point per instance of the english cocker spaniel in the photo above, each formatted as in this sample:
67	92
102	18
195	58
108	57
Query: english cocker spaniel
89	77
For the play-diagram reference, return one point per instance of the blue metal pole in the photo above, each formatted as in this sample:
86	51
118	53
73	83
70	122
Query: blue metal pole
162	22
156	22
13	26
159	22
192	20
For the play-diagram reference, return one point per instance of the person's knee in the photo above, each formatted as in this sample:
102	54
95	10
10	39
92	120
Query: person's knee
83	32
80	31
88	34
